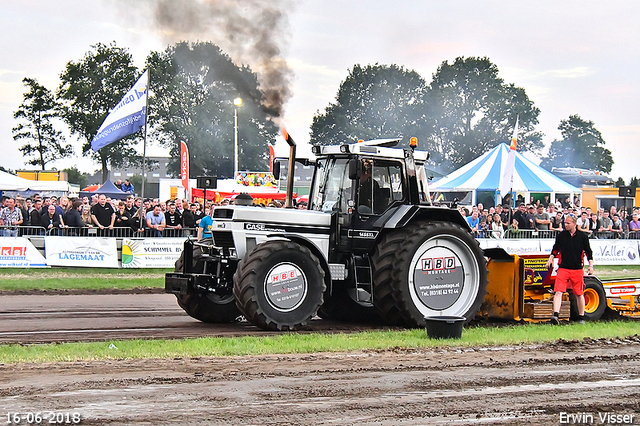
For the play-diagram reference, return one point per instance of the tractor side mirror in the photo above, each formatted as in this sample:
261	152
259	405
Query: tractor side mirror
355	169
276	169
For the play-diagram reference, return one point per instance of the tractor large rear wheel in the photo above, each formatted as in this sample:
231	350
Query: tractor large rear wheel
279	285
428	269
209	307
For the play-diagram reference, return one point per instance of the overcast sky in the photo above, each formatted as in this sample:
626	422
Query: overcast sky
571	57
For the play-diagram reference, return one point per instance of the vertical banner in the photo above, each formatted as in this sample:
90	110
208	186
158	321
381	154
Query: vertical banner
506	177
184	168
272	156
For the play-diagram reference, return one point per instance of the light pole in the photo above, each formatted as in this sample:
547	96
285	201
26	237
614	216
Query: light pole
237	102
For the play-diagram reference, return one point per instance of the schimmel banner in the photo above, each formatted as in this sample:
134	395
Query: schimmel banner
18	252
151	252
80	251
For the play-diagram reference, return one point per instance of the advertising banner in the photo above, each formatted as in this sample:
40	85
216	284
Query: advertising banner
81	252
615	252
184	166
18	252
151	252
512	246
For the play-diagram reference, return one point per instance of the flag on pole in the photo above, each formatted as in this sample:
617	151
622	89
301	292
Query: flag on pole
272	156
506	180
127	117
184	166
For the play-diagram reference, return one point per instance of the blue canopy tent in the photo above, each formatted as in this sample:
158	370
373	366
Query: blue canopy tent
483	175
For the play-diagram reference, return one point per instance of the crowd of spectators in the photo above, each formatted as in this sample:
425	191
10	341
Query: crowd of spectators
152	217
544	219
105	216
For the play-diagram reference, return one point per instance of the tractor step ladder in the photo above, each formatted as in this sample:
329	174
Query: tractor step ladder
363	278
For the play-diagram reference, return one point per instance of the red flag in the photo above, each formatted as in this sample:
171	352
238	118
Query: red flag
272	156
184	166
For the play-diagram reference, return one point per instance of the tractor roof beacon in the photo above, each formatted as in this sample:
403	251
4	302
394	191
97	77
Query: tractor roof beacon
370	247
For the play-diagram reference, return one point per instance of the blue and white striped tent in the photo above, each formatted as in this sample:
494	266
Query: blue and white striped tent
483	174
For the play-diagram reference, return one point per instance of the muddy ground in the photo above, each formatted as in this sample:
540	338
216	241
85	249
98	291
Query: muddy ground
516	385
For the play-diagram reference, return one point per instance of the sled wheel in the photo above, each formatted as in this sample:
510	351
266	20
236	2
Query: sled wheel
279	285
595	300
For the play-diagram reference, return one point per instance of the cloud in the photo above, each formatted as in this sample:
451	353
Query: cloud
566	73
10	76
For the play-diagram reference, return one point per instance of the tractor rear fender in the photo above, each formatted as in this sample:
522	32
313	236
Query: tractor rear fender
406	214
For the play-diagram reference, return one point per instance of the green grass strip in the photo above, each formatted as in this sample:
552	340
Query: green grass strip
290	343
80	278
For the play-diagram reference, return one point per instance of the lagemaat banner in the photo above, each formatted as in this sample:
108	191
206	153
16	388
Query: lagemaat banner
81	251
151	252
18	252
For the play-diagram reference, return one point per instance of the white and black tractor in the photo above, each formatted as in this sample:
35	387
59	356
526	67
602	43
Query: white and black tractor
370	247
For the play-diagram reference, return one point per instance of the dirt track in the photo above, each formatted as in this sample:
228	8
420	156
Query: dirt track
502	385
535	385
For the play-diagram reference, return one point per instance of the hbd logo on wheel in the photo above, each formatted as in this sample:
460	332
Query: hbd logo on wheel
438	263
283	276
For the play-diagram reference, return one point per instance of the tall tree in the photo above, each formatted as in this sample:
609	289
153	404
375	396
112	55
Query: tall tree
37	111
474	110
193	90
75	176
376	101
581	146
89	89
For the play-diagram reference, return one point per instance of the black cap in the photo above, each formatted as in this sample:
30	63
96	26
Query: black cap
243	199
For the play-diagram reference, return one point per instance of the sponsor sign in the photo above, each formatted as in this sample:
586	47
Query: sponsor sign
18	252
184	166
81	252
438	278
151	252
513	246
621	290
285	287
615	252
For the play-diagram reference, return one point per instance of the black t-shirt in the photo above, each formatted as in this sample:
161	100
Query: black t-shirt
73	219
572	249
173	219
122	219
523	220
188	220
103	213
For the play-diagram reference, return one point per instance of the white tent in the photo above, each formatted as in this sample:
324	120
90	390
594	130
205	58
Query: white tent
9	182
483	174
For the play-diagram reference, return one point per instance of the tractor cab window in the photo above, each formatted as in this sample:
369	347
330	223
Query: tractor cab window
379	186
332	186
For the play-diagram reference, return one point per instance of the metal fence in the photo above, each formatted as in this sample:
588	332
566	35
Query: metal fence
20	231
126	232
534	234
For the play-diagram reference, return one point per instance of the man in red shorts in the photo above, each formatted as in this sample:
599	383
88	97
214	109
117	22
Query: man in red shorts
572	245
